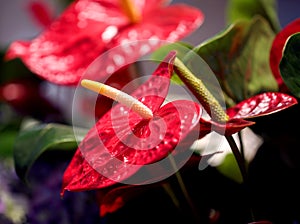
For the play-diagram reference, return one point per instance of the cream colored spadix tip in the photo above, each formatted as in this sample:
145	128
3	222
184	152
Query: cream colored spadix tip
118	96
92	85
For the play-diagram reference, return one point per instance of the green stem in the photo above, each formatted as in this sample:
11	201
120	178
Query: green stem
242	145
242	166
211	105
170	192
240	160
183	189
213	108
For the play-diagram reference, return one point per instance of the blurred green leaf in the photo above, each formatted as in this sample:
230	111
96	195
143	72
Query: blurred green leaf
33	141
9	128
247	9
7	139
239	57
290	64
13	69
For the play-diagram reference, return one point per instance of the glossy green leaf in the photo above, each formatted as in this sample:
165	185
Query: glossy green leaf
33	141
290	64
247	9
195	64
239	57
181	48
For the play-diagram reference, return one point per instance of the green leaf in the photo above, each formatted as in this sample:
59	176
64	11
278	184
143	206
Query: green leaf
9	128
33	141
247	9
7	140
181	48
290	64
13	69
239	57
230	168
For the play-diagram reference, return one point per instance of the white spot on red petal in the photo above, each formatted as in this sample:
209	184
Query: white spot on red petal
109	33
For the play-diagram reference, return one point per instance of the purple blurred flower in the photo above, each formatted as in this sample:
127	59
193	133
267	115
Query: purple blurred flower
46	206
39	201
12	204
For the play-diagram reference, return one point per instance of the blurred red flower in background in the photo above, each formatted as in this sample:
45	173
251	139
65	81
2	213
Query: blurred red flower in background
87	28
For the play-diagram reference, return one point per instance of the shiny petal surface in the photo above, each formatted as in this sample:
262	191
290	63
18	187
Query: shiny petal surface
178	21
172	26
121	141
277	50
231	127
112	148
149	141
80	175
153	31
91	27
261	105
157	87
84	28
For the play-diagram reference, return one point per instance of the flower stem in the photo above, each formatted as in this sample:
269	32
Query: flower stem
242	166
213	108
238	156
196	86
242	145
170	192
183	189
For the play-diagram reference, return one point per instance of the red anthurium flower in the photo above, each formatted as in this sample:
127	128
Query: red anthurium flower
124	139
87	28
233	120
256	106
277	50
41	12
